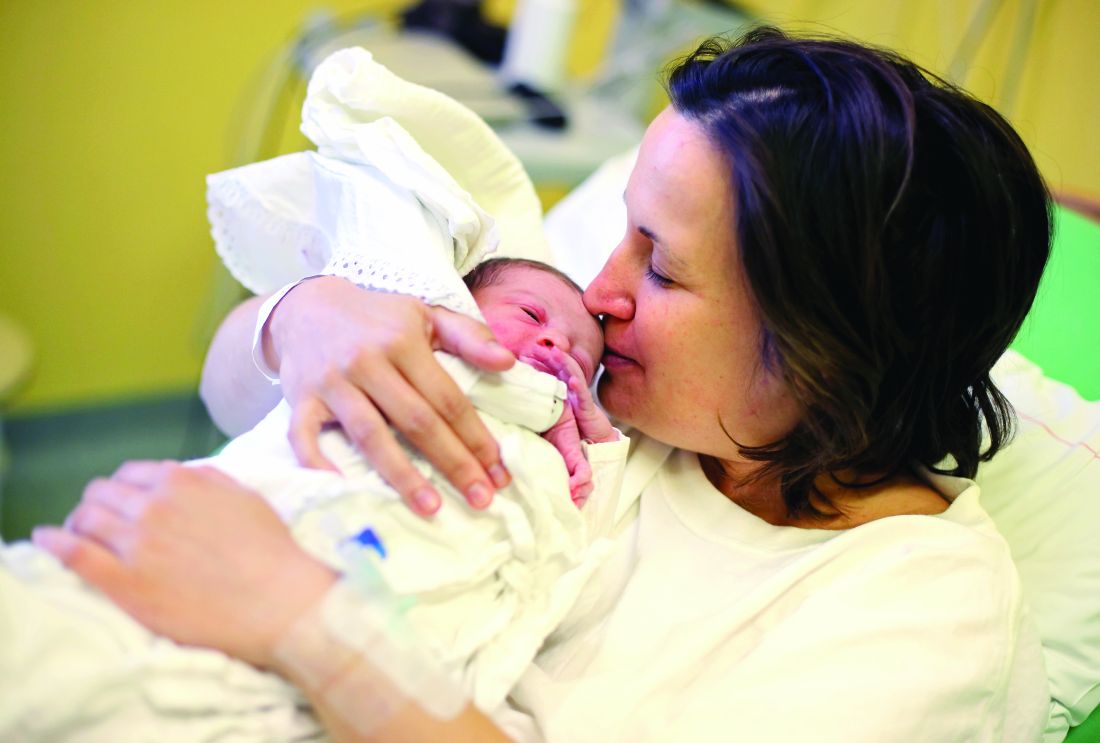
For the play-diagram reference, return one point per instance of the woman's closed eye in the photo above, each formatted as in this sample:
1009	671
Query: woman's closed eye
657	278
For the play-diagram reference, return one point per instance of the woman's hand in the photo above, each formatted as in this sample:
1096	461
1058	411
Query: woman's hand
364	359
192	555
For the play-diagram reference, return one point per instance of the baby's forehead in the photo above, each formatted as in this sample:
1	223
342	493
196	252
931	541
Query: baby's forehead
543	283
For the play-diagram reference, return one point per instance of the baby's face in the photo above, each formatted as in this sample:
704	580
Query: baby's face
527	308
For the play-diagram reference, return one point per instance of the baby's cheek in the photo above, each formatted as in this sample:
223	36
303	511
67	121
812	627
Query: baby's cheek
505	334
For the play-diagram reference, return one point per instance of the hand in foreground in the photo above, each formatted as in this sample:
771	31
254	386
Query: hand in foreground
192	555
363	359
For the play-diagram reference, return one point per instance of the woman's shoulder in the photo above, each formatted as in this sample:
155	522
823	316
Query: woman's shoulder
960	540
848	507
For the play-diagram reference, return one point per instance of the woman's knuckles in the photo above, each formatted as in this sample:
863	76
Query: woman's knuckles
97	490
178	482
453	405
419	423
364	432
395	344
332	378
363	366
157	514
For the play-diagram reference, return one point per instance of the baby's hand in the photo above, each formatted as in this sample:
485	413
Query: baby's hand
592	422
565	436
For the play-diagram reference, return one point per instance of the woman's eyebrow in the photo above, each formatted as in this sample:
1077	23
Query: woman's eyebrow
650	235
668	257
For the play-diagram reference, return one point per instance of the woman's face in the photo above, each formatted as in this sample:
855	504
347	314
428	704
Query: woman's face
683	337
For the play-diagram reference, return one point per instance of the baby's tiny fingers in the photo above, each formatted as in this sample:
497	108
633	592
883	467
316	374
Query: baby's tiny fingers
581	494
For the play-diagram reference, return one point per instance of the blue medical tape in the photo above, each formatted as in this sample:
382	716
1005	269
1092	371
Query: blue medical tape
368	538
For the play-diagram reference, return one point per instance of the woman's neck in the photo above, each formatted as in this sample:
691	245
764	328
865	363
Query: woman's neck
761	497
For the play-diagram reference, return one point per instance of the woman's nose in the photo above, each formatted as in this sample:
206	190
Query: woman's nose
610	293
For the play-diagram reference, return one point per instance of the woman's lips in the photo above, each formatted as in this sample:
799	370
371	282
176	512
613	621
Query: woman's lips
614	360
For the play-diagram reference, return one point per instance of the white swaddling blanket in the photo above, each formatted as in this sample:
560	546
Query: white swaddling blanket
488	587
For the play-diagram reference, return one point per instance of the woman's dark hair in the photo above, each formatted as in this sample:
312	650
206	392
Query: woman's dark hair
491	271
892	229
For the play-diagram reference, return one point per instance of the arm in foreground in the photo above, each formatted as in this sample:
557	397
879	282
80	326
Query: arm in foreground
198	558
235	393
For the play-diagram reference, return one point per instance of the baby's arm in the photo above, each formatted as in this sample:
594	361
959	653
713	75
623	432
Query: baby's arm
582	420
566	438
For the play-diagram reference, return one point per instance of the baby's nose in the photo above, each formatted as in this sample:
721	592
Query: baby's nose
552	339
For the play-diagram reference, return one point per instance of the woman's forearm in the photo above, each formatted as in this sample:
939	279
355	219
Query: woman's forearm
236	394
357	700
409	725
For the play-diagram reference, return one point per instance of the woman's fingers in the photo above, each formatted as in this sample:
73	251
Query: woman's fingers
470	340
360	358
459	434
180	569
369	432
91	561
473	342
413	408
102	525
143	473
306	420
118	494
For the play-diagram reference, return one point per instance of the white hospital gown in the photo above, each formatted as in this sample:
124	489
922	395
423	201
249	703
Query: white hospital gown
486	587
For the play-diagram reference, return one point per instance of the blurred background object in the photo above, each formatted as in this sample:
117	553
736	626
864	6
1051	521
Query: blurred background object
16	357
114	112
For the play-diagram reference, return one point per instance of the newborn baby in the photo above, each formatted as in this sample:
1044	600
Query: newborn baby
535	311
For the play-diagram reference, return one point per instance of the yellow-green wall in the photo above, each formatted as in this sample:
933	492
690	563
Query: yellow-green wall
114	110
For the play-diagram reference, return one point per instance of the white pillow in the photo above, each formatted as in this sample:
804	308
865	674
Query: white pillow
1042	491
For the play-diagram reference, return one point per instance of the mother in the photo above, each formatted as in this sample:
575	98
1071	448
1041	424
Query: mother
826	251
